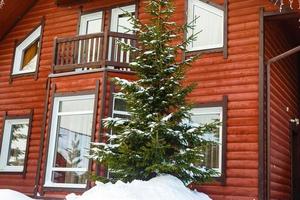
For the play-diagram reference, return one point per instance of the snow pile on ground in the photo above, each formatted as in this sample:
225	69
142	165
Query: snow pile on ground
12	195
160	188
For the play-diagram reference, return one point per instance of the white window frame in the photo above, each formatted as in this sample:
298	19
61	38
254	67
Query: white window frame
208	111
190	15
52	142
19	52
118	112
87	17
6	141
115	15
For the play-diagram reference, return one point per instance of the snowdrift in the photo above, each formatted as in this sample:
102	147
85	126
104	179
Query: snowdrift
12	195
165	187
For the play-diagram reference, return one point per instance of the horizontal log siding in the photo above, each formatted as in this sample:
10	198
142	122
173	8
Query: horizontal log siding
25	93
284	93
236	77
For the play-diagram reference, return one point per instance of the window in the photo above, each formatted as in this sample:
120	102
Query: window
120	23
209	24
120	109
27	53
14	145
70	137
90	23
214	153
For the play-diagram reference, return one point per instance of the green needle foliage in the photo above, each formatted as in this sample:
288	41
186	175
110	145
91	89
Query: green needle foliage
159	138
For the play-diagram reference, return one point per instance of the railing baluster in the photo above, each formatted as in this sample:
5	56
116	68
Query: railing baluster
125	52
81	50
119	50
92	50
86	51
75	54
113	47
62	53
95	56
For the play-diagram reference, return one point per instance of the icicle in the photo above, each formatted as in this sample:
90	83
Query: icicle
291	4
281	5
1	4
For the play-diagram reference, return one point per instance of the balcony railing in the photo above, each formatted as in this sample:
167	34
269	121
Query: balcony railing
87	52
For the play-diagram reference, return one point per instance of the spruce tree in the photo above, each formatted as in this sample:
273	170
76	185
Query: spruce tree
159	138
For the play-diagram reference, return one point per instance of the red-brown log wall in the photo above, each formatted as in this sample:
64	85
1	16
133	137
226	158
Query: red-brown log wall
236	77
284	105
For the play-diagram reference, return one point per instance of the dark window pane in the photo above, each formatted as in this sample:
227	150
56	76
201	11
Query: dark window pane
18	143
120	105
69	177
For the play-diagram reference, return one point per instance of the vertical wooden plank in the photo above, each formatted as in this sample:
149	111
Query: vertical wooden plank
76	44
91	48
125	53
86	49
119	50
97	42
113	46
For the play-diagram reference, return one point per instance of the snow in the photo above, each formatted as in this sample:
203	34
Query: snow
12	195
159	188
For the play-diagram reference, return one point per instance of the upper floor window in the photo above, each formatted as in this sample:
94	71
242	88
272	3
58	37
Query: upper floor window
14	145
70	137
208	23
90	23
27	53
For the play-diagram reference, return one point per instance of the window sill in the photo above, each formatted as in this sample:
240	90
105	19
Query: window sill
50	188
204	51
20	75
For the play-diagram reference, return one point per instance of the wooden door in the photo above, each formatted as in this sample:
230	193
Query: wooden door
295	159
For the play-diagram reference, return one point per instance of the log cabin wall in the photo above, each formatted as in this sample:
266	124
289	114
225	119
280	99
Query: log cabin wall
284	106
236	77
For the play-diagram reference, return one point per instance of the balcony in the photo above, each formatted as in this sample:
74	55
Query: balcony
88	52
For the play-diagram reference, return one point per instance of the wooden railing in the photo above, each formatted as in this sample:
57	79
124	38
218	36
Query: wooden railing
86	52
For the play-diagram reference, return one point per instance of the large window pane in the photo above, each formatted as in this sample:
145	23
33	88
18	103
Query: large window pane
18	145
74	136
212	153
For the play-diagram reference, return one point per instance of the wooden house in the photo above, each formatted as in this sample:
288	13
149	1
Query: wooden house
57	58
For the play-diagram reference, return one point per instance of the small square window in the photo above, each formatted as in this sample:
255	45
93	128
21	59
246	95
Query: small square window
14	145
26	54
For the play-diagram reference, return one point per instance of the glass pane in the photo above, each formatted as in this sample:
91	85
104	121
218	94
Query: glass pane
120	105
30	56
211	159
205	118
73	141
94	26
124	24
69	177
211	153
18	143
76	105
